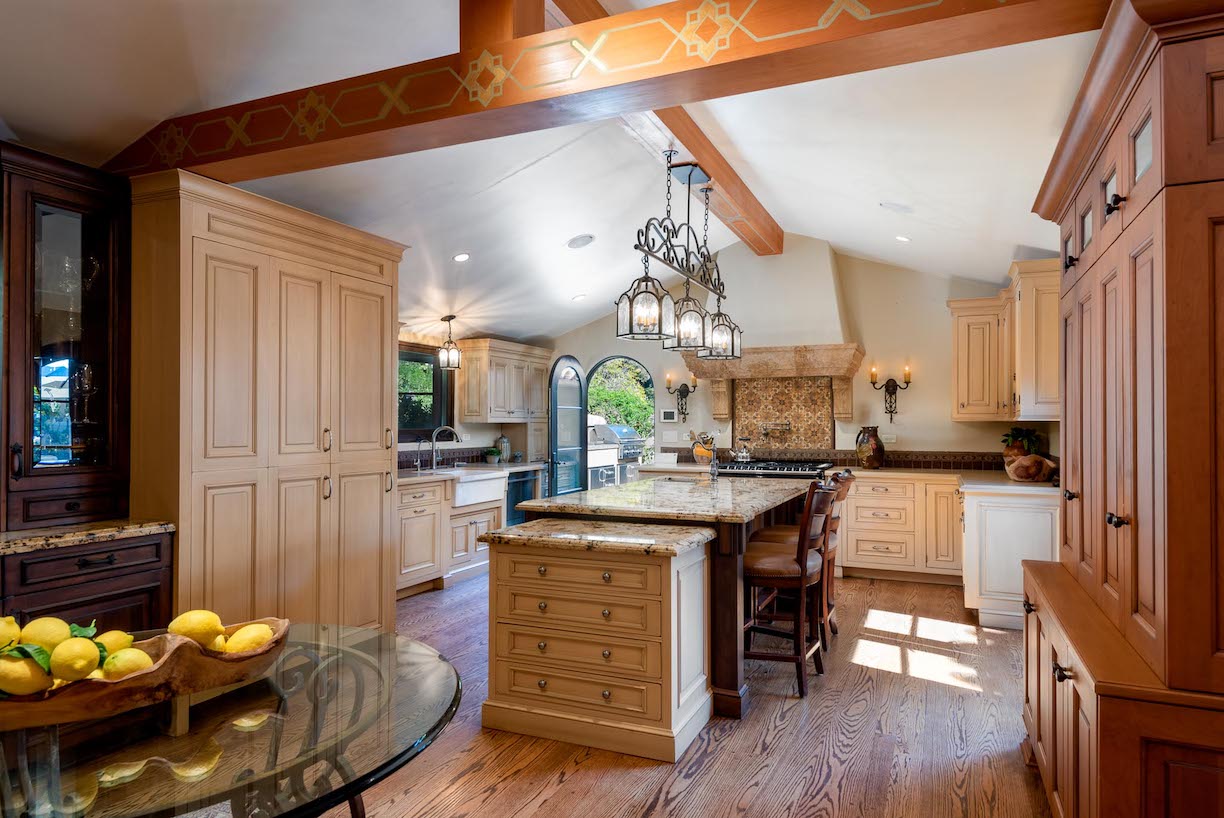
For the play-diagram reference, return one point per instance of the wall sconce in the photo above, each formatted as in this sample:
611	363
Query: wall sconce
890	388
682	393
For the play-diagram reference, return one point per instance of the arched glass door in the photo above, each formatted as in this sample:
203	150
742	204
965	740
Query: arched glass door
567	470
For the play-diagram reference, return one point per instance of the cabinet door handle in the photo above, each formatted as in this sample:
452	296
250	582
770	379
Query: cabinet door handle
1115	520
16	463
1028	606
1061	674
390	483
327	438
85	562
327	488
1114	204
1069	495
388	437
1069	263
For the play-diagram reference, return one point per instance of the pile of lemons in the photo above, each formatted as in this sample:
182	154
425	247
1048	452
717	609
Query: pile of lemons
48	652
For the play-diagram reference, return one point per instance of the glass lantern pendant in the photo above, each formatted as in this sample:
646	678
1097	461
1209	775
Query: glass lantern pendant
449	354
692	325
646	311
725	338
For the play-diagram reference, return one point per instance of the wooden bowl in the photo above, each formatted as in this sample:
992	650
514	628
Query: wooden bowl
180	666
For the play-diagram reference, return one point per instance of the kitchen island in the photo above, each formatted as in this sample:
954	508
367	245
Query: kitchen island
732	506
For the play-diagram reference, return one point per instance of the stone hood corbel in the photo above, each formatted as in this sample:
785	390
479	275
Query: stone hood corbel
837	361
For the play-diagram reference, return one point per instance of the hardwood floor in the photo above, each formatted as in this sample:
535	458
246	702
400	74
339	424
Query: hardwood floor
918	714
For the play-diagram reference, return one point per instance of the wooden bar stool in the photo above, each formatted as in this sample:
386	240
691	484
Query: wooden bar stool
795	572
785	535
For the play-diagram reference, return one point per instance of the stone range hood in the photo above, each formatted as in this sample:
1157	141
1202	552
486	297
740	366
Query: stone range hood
837	361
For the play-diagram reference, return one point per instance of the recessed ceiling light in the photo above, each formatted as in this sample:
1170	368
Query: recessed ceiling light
580	241
903	238
578	297
462	257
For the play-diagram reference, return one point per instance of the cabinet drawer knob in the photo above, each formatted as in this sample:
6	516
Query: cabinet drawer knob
1061	674
1069	495
607	694
543	606
1028	606
542	570
607	654
85	562
541	645
606	613
607	576
543	683
72	505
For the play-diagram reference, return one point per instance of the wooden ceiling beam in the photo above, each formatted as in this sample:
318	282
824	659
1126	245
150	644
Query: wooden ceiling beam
658	57
731	201
494	21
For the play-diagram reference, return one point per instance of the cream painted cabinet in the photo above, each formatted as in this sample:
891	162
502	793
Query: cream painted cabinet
263	397
304	363
365	367
976	365
466	554
502	382
420	537
1003	527
1005	348
903	521
1038	318
361	527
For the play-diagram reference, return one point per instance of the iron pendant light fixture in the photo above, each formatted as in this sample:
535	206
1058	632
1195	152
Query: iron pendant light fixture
449	355
646	311
725	338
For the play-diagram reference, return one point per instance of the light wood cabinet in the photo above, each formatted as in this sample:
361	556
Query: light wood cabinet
502	382
1005	348
264	392
720	398
904	522
304	363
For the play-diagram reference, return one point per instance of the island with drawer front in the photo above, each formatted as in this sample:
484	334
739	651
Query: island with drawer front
650	573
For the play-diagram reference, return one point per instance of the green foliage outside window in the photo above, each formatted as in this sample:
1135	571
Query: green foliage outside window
422	394
621	391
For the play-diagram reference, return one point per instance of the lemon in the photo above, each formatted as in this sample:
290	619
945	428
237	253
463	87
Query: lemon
22	677
126	662
217	645
74	659
115	641
201	626
10	631
46	632
250	637
96	673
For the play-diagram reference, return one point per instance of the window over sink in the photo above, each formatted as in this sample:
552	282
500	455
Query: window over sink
426	393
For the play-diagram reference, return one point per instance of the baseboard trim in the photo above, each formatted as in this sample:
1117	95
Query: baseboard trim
658	743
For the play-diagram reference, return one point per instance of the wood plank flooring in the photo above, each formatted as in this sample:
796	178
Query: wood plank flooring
918	714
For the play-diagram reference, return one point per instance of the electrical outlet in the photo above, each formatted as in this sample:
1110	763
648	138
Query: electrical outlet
466	438
888	438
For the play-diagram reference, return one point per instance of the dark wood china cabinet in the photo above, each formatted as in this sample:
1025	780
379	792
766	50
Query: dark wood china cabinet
65	246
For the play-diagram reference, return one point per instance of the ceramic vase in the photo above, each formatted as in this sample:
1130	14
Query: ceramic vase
870	448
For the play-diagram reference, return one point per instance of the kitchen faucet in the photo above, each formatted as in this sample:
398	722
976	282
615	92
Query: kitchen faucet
420	441
433	442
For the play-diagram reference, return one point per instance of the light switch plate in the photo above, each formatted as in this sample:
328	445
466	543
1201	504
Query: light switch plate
888	438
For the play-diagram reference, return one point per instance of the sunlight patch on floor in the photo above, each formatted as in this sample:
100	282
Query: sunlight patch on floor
923	627
910	661
889	621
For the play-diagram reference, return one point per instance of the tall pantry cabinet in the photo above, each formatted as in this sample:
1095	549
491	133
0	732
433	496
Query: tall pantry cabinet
263	402
1124	658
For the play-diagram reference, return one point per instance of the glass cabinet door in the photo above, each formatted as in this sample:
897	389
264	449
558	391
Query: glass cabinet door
70	334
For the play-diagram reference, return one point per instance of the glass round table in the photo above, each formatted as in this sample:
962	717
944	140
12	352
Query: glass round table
339	710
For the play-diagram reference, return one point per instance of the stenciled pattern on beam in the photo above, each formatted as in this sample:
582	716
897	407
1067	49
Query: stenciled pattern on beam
531	68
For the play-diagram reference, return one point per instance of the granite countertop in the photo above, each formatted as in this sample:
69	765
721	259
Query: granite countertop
674	468
997	482
39	539
727	500
602	535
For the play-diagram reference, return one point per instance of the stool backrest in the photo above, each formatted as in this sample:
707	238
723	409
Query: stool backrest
841	482
814	525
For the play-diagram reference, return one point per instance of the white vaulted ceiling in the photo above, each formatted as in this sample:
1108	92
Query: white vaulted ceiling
957	147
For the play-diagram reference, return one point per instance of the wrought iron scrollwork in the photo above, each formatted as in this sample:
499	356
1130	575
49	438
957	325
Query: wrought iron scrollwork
678	247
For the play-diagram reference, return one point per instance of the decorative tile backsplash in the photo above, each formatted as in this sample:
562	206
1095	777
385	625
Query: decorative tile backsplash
952	461
784	414
446	457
